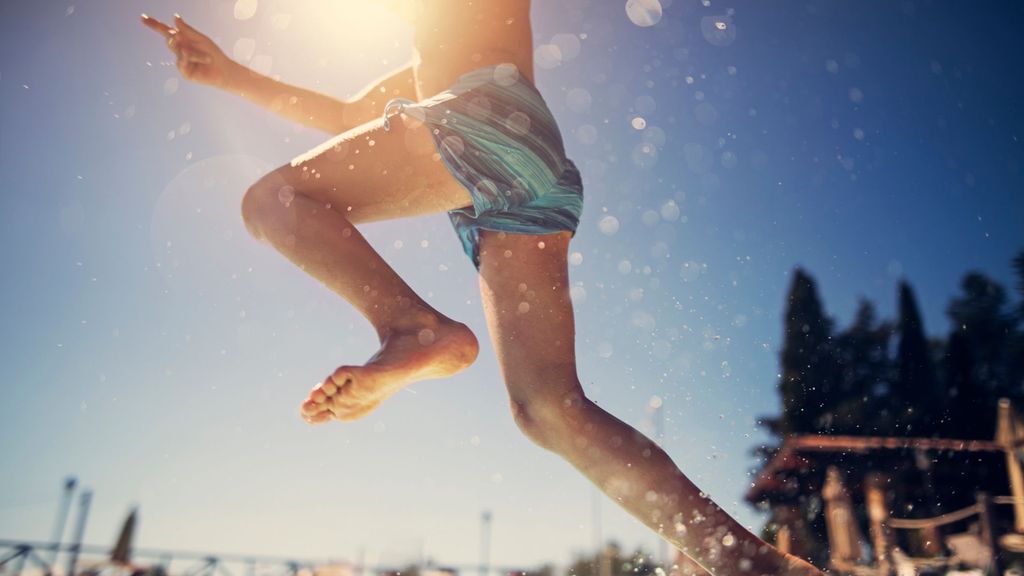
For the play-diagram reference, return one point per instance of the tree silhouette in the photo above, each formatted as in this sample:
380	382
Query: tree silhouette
808	364
864	367
916	396
986	327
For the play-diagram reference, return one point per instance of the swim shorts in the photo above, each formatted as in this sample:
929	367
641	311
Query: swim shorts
498	138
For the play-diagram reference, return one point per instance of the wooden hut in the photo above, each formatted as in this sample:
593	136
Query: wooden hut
813	465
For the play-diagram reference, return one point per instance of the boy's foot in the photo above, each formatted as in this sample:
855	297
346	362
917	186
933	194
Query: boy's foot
435	350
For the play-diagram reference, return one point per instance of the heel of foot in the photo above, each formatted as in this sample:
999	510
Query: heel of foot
471	347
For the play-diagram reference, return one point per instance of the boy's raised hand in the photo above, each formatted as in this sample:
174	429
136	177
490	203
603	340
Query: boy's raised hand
199	59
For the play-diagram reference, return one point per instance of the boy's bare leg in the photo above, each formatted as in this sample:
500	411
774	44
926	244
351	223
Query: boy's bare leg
525	289
306	210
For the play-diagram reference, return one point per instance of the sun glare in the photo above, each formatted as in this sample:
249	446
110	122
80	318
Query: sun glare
357	24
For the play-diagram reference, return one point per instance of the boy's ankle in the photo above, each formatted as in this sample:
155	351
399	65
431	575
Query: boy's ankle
412	319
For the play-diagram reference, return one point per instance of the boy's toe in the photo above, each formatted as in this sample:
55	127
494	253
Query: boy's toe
318	418
311	407
341	377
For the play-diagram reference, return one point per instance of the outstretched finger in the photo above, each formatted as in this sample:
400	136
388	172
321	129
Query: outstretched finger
157	26
185	26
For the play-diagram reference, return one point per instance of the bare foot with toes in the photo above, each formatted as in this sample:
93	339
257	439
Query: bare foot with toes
437	350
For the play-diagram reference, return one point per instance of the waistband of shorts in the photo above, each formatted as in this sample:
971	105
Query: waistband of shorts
505	74
502	74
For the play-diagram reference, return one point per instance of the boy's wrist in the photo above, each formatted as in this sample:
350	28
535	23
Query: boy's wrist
236	77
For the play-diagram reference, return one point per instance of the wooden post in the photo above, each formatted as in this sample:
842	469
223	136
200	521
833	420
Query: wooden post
1006	435
844	537
875	490
604	563
790	538
784	539
988	536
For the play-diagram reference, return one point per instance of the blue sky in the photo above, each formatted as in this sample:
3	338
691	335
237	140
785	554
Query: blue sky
154	350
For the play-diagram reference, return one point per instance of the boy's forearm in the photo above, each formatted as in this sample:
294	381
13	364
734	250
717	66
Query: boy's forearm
297	104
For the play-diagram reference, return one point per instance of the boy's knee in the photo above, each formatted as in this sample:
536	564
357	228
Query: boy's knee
551	421
265	201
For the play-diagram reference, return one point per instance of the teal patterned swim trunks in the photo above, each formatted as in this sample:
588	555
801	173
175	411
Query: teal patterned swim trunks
498	138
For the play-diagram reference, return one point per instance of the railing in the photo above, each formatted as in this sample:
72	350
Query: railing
19	557
982	509
16	556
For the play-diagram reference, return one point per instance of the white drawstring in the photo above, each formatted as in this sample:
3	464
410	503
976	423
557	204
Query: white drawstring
399	105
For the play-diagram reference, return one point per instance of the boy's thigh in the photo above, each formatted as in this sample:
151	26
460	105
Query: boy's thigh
369	173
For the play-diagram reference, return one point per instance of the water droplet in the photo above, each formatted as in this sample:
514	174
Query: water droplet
453	145
689	271
426	337
728	159
706	113
608	225
547	56
645	155
578	100
670	211
586	134
506	74
654	135
644	12
244	49
568	45
518	123
578	293
285	195
718	30
245	9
